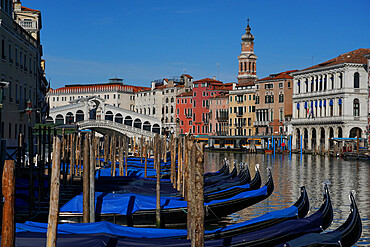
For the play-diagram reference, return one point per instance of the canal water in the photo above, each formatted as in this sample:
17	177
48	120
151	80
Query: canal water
290	173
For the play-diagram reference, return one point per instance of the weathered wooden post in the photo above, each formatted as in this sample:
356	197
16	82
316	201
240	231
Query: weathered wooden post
19	153
141	149
72	158
8	190
92	178
86	179
106	144
358	142
198	196
146	158
78	154
54	195
179	165
158	182
30	170
120	159
126	140
50	142
190	189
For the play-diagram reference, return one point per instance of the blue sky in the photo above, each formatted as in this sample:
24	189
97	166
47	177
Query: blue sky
87	41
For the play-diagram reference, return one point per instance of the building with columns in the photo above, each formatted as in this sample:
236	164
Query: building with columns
274	103
330	100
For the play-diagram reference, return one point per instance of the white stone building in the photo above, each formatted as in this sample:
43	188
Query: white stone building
330	101
160	100
115	93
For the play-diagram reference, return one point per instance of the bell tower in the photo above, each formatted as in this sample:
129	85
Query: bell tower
247	59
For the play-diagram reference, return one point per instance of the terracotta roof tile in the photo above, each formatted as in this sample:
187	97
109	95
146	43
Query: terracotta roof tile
97	88
189	76
356	56
281	75
28	9
186	94
208	80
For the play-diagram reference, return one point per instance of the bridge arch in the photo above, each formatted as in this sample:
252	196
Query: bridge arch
147	126
118	118
59	119
49	120
109	116
156	129
69	118
128	120
137	123
80	116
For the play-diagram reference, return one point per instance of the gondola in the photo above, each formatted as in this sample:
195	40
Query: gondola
298	210
124	209
266	236
345	235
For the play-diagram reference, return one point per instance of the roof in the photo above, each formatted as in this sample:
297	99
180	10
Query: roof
79	88
213	81
28	9
282	76
189	76
356	56
186	94
246	83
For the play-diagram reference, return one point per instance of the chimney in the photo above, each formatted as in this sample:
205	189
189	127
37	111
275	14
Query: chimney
234	85
153	85
214	77
17	6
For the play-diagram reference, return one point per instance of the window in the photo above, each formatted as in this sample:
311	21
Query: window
195	94
281	114
340	107
3	49
20	58
356	80
281	98
288	84
257	100
10	53
25	62
299	86
16	56
281	85
356	108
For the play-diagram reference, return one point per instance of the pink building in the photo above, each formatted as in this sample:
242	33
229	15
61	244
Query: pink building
219	115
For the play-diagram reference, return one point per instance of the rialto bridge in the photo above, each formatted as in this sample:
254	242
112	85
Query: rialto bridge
93	113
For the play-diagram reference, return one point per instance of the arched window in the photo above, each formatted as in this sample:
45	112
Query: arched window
299	86
281	98
356	80
166	109
356	107
340	107
153	110
171	110
166	100
172	100
241	66
109	116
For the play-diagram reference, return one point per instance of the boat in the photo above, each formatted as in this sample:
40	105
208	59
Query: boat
266	236
137	210
345	235
298	210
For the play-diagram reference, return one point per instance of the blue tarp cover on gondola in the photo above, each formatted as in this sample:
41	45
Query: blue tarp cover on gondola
126	204
296	227
110	228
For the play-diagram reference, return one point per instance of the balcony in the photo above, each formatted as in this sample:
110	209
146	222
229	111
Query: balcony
261	123
29	25
189	116
222	119
239	114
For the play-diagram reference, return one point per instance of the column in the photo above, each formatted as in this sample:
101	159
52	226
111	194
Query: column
309	146
326	145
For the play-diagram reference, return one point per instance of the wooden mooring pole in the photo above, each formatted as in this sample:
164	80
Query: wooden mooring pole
157	157
54	195
86	181
8	190
92	177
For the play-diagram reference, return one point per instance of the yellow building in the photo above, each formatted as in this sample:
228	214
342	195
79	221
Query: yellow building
242	110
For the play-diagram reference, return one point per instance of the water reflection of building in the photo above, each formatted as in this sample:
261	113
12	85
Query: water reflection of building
330	100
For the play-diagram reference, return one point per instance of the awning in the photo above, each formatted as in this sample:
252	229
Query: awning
340	102
305	105
297	105
331	102
324	102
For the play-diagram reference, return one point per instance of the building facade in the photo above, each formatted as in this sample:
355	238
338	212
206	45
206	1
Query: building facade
274	103
242	110
219	115
114	93
330	100
203	90
184	112
20	66
160	100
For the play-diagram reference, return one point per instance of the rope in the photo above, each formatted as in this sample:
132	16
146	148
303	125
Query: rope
184	210
208	208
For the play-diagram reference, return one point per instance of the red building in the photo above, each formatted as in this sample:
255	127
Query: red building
184	111
198	106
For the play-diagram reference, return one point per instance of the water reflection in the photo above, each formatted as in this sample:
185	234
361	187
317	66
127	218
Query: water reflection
290	173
